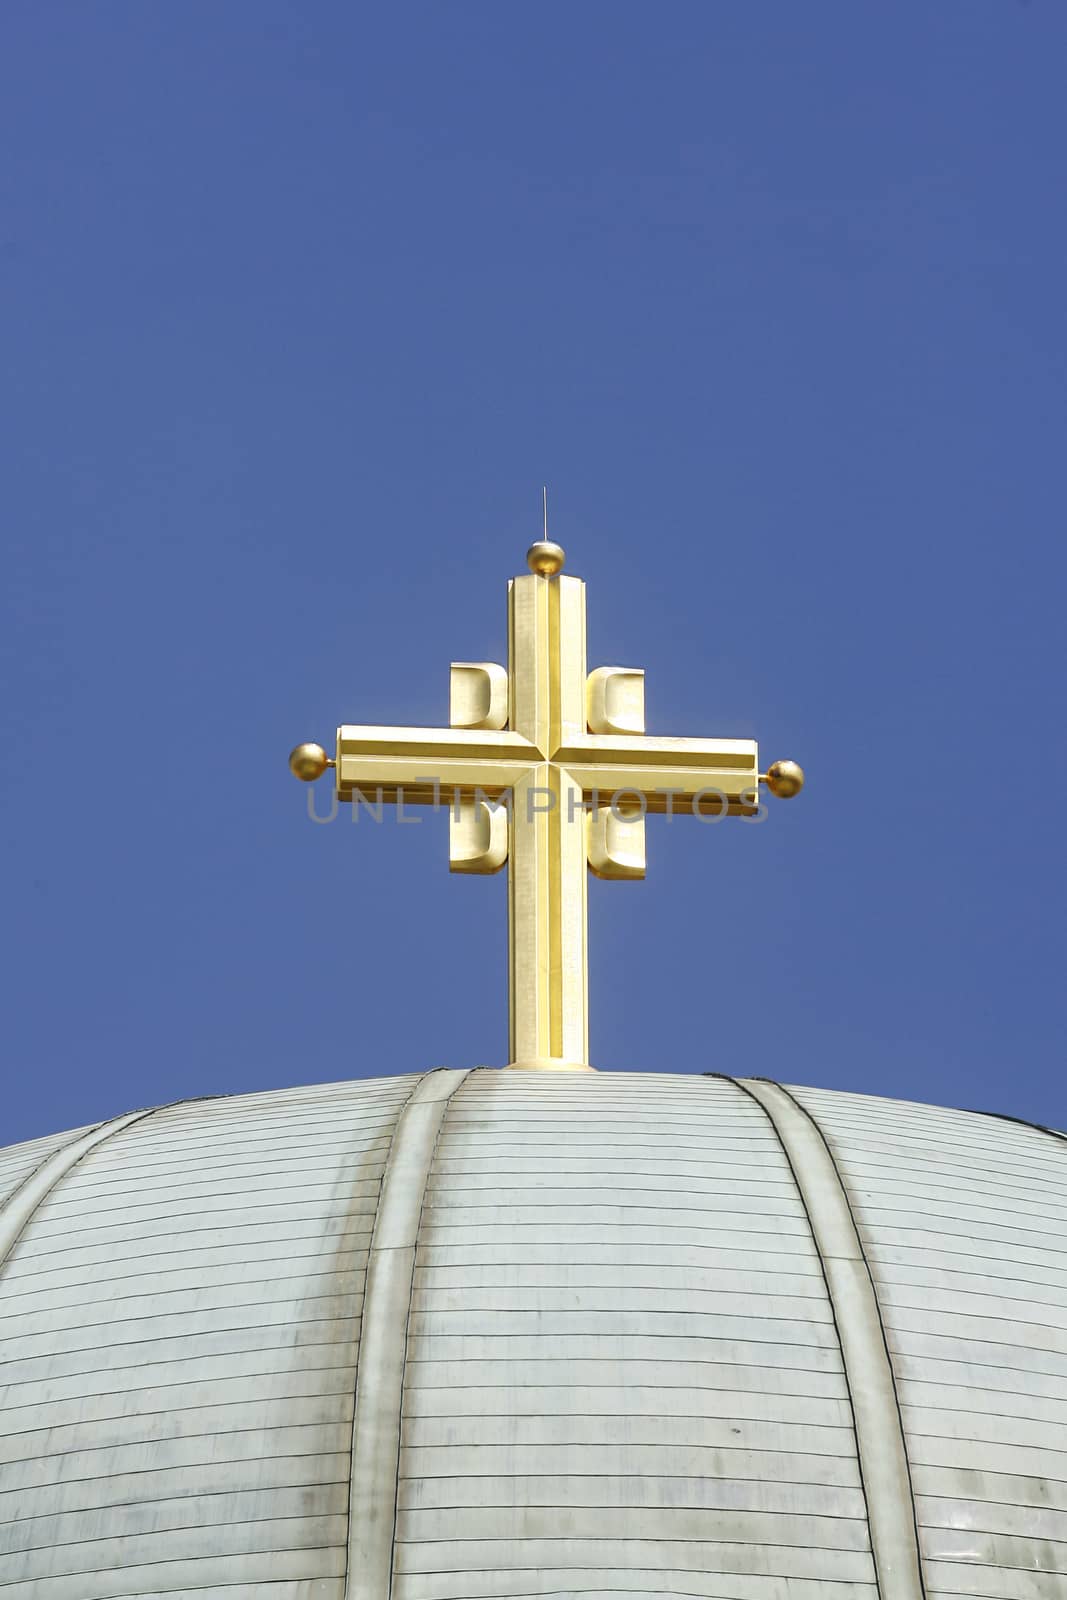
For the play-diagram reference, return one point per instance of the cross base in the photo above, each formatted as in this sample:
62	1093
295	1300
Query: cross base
548	1064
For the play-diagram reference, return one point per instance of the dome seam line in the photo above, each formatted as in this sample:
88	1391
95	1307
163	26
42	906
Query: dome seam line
881	1444
381	1361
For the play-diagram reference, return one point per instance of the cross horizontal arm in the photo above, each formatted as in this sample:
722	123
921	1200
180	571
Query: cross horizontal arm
608	763
429	764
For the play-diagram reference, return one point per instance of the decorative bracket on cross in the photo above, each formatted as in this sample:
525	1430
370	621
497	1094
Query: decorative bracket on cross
549	771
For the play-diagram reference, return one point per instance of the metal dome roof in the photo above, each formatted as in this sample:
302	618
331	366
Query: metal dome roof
470	1335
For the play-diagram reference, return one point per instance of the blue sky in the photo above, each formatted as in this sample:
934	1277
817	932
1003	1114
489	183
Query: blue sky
302	305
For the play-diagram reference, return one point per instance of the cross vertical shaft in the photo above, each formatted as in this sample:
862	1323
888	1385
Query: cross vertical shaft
549	1013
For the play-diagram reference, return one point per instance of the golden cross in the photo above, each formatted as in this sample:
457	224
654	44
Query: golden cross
549	771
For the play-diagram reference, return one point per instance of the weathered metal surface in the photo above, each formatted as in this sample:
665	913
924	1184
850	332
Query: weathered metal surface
964	1222
597	1343
178	1336
602	1342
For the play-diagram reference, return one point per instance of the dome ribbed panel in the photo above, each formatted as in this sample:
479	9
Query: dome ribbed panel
17	1161
623	1373
964	1221
178	1343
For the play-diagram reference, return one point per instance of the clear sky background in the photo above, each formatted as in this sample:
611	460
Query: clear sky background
303	304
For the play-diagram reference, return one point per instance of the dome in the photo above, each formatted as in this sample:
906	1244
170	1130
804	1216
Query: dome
485	1334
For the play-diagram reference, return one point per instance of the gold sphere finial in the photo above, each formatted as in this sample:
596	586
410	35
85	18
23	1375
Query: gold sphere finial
308	762
785	779
545	558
